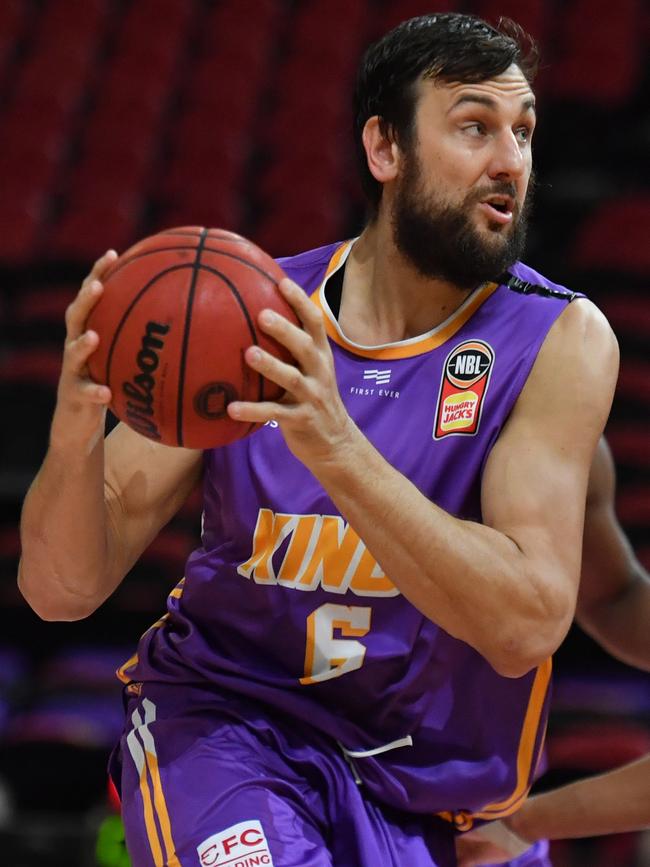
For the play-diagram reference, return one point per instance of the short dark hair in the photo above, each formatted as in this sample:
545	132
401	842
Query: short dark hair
447	47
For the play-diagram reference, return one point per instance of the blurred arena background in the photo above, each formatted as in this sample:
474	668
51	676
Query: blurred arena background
120	117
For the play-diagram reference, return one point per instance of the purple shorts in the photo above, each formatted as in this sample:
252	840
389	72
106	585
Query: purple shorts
209	782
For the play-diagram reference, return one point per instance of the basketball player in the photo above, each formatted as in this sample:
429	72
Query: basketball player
356	663
614	607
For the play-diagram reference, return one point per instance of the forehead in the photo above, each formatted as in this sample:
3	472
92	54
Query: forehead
509	91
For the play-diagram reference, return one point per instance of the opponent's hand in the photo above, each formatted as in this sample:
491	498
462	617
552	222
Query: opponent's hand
81	403
312	416
490	844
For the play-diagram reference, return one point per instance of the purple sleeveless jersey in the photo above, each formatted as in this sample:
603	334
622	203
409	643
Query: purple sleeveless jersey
285	605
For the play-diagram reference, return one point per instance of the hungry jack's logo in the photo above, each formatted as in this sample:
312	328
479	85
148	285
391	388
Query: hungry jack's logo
465	379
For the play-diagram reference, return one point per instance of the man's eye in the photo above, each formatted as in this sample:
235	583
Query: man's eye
523	133
475	129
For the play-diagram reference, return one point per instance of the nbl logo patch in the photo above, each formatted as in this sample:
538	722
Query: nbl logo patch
465	379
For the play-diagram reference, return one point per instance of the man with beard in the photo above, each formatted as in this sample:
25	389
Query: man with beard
363	639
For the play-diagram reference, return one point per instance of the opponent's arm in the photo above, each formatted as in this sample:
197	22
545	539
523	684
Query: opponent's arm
614	598
93	508
612	803
508	586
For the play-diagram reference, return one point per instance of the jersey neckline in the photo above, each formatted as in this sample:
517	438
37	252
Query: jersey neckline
402	348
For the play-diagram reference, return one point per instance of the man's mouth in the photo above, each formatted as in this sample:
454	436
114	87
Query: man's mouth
499	208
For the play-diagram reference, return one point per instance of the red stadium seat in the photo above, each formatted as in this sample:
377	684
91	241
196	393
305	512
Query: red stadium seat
634	381
299	79
57	102
43	305
314	23
86	231
217	208
31	365
204	133
105	178
13	19
300	224
135	131
292	174
163	45
227	104
20	232
12	15
203	181
27	129
598	746
630	443
599	52
137	83
72	20
533	15
628	313
633	505
400	10
615	236
160	15
26	176
247	25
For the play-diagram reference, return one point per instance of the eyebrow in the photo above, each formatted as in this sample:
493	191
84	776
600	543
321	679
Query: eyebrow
528	104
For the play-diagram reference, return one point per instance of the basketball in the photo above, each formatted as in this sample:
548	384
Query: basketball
177	312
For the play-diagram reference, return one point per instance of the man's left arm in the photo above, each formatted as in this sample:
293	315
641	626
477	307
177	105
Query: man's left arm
508	586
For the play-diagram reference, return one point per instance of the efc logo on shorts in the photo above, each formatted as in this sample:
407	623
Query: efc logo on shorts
242	845
465	380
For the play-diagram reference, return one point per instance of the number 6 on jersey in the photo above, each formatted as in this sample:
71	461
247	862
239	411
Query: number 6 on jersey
327	657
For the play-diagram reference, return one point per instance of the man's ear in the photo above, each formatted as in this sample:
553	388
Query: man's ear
382	152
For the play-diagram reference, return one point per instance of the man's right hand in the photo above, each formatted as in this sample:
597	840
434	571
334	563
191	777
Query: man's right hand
81	403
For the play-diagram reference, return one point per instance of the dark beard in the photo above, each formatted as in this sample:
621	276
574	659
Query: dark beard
440	241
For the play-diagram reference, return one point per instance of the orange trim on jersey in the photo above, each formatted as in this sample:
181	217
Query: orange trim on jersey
463	820
526	752
121	671
403	348
337	256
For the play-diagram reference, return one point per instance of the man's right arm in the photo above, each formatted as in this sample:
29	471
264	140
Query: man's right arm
94	506
614	599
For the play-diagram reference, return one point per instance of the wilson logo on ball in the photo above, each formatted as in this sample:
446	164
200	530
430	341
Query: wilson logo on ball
139	407
211	401
178	311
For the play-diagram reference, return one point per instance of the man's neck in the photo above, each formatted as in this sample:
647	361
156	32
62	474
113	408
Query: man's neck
385	299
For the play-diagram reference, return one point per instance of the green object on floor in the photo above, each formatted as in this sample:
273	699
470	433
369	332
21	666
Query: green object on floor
110	850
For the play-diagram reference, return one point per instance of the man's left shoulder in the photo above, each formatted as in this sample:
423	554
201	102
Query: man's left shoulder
524	280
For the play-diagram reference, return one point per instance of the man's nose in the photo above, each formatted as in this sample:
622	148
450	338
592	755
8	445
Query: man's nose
508	161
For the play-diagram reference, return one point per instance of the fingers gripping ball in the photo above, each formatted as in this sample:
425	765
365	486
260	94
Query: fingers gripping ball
177	312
